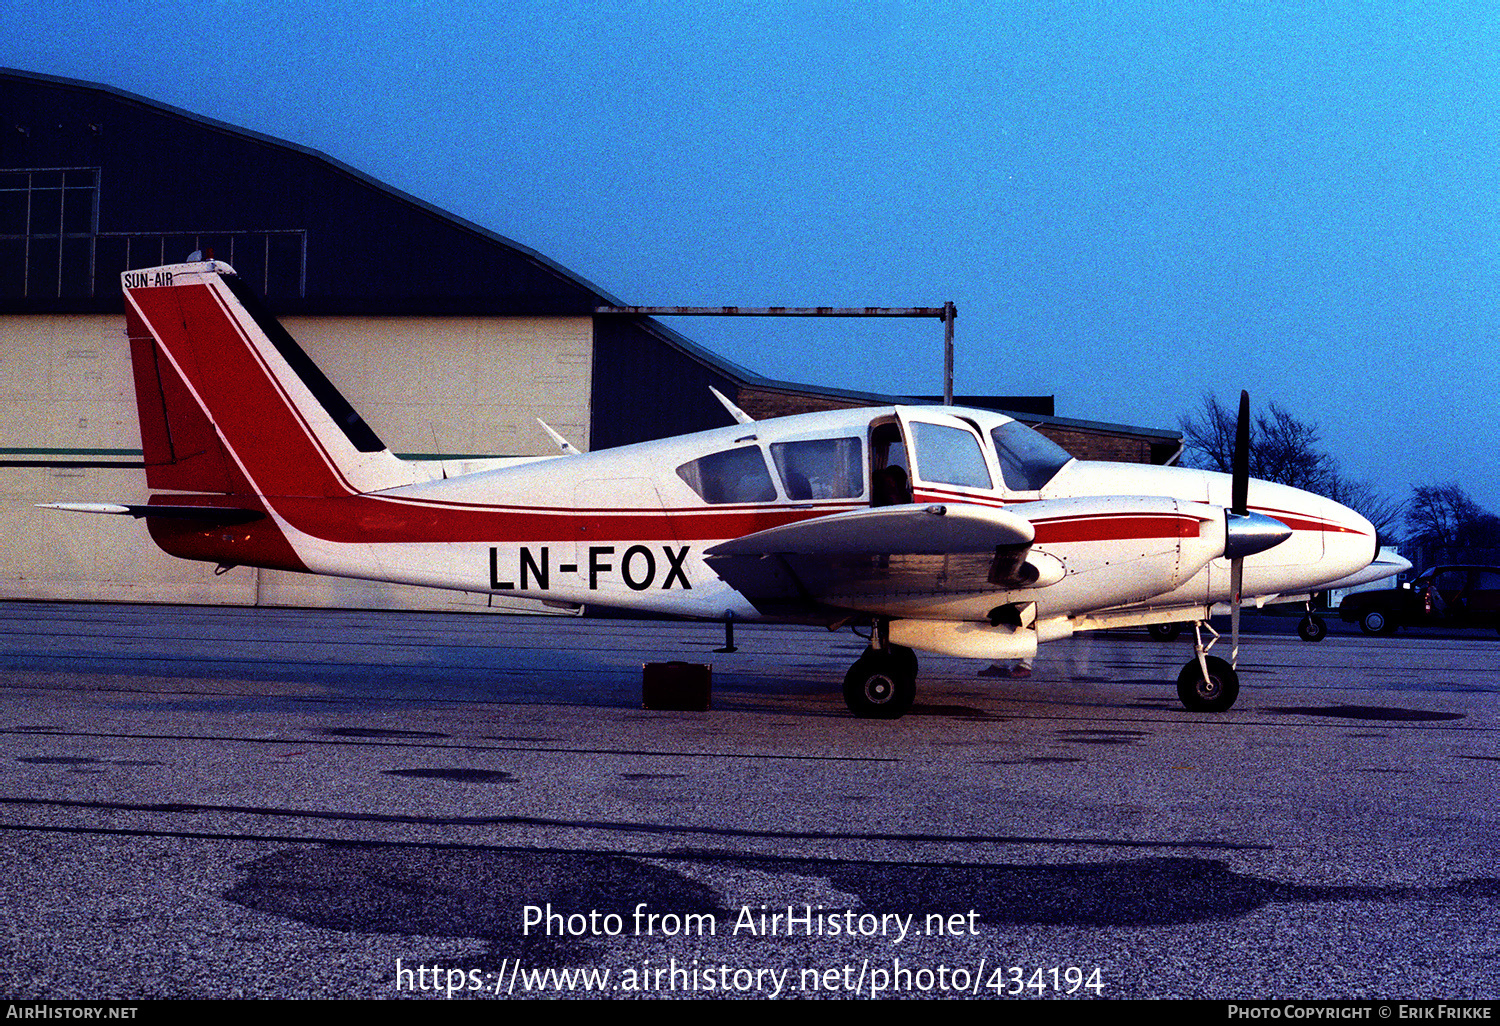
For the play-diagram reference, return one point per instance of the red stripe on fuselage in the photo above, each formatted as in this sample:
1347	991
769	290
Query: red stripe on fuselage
1115	527
1300	522
367	519
926	493
363	519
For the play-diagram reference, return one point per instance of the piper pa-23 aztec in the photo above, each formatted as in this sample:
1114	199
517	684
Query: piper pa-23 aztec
944	529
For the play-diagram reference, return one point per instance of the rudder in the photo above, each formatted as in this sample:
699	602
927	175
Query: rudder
228	401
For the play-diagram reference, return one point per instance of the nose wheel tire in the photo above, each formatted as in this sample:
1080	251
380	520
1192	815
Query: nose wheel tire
1216	694
1312	628
881	685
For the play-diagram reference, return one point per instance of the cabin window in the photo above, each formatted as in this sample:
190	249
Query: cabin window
821	468
735	475
949	455
1028	459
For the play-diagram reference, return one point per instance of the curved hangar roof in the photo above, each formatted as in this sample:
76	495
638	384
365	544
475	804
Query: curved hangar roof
84	196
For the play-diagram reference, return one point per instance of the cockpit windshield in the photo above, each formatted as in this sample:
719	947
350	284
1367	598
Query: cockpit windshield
1028	460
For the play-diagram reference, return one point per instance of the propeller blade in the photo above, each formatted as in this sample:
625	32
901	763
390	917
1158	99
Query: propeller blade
1240	489
1239	505
1236	582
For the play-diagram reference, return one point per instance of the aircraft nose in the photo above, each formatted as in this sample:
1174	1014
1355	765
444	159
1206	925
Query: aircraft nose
1350	541
1328	540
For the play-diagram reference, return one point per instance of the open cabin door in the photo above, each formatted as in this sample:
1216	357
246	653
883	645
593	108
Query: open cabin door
946	456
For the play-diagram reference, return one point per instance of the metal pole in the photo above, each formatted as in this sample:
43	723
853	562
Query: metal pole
949	312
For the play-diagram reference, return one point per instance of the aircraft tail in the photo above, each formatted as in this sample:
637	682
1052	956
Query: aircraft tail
230	404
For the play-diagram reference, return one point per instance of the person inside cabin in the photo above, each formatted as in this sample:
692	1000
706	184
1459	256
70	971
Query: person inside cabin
891	488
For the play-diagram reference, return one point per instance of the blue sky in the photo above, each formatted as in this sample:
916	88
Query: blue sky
1131	204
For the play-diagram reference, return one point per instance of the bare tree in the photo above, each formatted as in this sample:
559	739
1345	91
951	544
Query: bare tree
1281	447
1285	450
1208	435
1447	526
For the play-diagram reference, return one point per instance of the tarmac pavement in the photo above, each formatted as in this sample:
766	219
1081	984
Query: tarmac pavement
211	802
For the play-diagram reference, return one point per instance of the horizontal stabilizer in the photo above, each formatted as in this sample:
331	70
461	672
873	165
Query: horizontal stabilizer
201	514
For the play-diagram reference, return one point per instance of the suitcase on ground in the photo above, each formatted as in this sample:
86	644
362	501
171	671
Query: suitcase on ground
677	685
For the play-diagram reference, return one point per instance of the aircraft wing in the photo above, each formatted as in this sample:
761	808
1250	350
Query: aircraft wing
829	561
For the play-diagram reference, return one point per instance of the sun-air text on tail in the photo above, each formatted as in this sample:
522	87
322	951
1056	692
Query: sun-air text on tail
939	529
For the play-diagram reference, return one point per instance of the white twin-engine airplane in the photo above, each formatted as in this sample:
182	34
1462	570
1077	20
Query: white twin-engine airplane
950	530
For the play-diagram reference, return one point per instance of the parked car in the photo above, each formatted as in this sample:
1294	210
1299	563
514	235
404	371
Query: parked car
1450	596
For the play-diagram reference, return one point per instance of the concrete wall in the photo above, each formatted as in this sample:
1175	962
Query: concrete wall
459	385
69	433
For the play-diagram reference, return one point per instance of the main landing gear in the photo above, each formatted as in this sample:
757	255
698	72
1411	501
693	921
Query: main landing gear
1207	683
882	683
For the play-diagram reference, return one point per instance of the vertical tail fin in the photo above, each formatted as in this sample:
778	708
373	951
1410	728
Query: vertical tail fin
229	402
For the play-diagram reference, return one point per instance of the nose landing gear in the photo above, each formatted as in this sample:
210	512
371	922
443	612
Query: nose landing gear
1312	628
1207	683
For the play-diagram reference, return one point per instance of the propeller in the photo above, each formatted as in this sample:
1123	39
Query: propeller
1240	496
1245	533
1239	506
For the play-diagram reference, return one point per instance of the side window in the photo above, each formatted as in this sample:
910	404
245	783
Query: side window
1028	459
1486	596
735	475
949	455
1452	581
823	468
890	480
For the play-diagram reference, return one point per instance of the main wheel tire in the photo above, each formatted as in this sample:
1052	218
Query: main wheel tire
877	687
1376	622
1312	628
1213	695
905	659
1164	631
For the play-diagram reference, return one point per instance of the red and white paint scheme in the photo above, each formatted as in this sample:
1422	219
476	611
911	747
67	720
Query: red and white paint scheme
987	540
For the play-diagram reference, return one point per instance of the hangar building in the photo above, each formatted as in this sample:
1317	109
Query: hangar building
448	338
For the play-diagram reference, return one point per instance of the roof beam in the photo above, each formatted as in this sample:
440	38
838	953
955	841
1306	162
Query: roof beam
939	312
945	313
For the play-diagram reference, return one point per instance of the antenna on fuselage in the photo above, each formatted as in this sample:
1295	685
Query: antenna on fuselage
738	414
567	447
